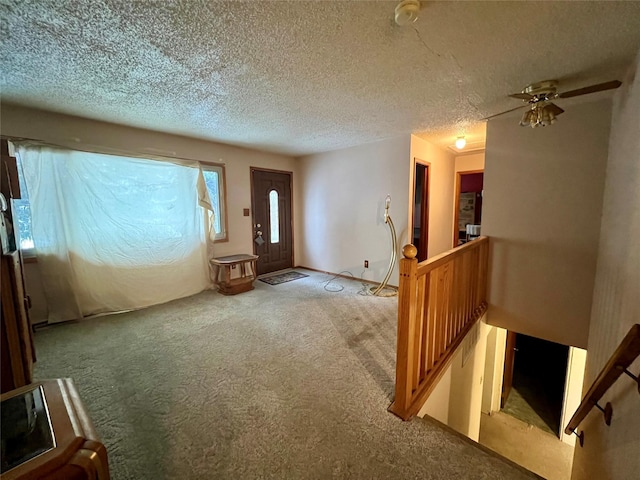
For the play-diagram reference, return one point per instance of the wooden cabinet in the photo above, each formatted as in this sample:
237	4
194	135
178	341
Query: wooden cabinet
17	349
47	434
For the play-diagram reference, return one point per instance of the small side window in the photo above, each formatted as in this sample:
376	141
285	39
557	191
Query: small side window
274	216
215	180
21	209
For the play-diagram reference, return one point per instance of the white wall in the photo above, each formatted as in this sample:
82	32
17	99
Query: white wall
467	378
457	399
80	133
612	452
469	162
572	390
542	203
494	370
342	194
441	194
437	405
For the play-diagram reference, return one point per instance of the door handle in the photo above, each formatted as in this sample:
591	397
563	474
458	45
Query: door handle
258	233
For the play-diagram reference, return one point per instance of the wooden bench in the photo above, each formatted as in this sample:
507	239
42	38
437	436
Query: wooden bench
222	267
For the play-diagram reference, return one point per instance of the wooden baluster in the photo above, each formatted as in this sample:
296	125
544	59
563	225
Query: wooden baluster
463	291
474	282
467	287
450	302
457	294
444	318
424	341
418	348
460	294
437	311
432	322
443	301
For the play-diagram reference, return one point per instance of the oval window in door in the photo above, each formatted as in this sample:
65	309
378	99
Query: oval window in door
274	217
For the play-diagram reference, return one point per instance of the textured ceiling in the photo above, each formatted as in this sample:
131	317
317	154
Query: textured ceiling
300	77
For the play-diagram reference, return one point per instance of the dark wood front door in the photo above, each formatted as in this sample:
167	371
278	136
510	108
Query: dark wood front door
421	209
272	220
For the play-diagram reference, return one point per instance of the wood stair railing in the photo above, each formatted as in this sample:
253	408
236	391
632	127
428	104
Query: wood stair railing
619	363
439	300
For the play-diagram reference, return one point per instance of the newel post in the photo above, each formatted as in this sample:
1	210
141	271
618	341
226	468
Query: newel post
405	357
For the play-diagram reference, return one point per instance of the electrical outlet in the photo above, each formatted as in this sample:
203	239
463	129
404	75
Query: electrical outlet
366	264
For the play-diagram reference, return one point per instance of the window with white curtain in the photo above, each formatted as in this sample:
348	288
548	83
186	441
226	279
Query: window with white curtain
214	176
115	233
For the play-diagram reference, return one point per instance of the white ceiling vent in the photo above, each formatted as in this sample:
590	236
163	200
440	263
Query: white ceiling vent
407	12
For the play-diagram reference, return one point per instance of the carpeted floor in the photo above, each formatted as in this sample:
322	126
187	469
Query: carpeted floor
292	383
519	407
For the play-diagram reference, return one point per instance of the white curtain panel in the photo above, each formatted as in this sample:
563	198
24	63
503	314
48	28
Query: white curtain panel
115	233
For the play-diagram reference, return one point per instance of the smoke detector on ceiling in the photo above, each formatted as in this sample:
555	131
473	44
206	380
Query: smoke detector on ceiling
407	12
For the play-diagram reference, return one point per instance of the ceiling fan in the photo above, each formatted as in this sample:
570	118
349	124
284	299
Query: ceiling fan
538	98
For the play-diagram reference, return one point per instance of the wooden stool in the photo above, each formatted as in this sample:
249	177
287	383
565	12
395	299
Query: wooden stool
222	273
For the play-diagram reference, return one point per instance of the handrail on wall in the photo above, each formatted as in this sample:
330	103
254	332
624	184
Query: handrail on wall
619	363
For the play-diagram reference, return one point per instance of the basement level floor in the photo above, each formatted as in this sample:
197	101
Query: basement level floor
528	446
518	405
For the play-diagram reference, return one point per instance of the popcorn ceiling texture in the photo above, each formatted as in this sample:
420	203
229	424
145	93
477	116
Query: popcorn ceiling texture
301	77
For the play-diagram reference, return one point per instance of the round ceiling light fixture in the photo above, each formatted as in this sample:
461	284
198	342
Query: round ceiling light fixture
407	12
461	142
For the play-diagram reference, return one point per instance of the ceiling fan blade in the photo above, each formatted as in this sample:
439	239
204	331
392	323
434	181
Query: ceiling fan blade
506	111
521	96
592	89
553	108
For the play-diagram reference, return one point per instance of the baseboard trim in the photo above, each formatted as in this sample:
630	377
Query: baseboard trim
348	277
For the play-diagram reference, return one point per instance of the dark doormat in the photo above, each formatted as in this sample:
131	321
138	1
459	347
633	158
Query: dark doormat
282	278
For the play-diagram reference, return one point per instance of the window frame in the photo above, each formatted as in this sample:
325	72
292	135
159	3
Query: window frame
18	193
222	198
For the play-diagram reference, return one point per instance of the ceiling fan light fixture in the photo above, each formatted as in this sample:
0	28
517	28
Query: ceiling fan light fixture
538	98
461	142
547	116
527	118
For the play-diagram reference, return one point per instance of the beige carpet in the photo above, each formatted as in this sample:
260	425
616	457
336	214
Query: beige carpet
286	381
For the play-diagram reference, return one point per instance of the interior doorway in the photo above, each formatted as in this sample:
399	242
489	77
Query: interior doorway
420	227
272	219
533	387
469	186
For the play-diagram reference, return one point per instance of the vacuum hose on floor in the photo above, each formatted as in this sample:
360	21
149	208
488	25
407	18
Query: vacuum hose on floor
382	290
